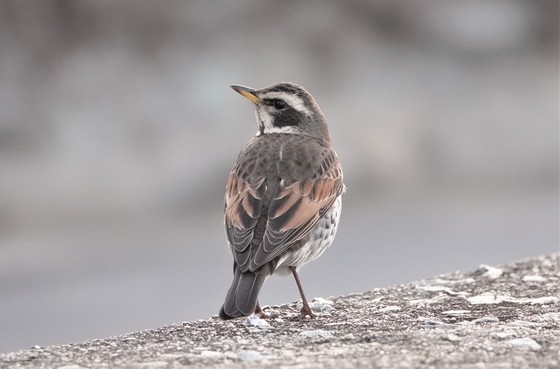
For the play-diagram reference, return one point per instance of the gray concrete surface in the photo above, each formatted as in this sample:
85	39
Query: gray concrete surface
492	317
118	129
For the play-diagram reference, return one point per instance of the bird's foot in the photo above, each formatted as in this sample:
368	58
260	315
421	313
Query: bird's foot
306	311
262	314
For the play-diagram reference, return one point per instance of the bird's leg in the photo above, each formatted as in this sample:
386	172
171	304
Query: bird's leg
305	310
260	312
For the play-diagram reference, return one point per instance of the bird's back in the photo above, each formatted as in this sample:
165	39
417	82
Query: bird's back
280	173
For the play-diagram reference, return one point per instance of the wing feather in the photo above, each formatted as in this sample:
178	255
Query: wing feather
265	216
295	217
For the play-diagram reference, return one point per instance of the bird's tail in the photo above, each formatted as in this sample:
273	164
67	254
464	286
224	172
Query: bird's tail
241	299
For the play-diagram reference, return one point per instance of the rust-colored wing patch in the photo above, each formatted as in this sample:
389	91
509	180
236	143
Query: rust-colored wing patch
243	209
243	202
294	210
270	208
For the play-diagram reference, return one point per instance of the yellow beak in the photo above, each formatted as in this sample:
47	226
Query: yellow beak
247	92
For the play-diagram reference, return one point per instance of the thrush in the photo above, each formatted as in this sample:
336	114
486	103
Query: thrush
283	196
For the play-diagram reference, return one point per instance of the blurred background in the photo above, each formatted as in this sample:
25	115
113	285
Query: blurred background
118	130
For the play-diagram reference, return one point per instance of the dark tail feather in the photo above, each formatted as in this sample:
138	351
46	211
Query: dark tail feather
241	299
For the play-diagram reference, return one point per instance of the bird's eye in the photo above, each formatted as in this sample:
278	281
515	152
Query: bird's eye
279	104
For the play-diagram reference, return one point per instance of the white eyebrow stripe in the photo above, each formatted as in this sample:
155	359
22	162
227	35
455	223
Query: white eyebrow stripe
292	100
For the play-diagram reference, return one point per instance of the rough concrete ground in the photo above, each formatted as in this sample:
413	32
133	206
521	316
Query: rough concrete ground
493	317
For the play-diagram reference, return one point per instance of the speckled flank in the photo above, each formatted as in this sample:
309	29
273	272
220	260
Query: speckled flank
320	239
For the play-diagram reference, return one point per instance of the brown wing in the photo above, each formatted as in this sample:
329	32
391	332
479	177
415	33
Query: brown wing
265	216
243	208
294	210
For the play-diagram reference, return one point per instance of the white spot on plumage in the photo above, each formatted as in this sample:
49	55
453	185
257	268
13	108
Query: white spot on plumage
281	151
287	129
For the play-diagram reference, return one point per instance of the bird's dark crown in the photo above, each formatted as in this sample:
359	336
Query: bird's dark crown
288	88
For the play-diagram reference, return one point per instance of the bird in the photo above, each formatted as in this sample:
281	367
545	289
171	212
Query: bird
283	196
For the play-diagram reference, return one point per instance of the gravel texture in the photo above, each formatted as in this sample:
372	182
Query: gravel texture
493	317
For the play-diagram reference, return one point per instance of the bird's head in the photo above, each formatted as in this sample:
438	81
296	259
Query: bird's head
286	108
